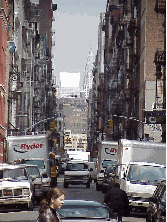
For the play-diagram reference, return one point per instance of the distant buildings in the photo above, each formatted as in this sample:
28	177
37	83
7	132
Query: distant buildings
88	76
75	122
77	142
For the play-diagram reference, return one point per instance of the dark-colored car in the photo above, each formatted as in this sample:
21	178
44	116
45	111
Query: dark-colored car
107	177
156	211
112	178
83	210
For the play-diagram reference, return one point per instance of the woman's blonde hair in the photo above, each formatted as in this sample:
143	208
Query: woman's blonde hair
52	193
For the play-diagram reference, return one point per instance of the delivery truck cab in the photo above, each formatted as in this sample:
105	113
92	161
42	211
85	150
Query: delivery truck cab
140	167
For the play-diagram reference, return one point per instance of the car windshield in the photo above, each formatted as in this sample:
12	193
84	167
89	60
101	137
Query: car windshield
146	173
106	162
33	171
39	163
109	169
72	211
16	174
77	166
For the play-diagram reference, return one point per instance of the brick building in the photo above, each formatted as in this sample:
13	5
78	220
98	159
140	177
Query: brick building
3	67
130	96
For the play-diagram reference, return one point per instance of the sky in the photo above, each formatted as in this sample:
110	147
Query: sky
68	79
76	30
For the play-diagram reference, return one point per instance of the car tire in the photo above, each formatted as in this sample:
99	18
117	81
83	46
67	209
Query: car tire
104	190
88	185
97	187
33	196
148	216
65	185
30	206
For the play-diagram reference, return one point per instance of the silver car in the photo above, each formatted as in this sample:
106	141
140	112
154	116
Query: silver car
83	210
34	173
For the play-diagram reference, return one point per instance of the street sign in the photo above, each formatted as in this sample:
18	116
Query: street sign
155	117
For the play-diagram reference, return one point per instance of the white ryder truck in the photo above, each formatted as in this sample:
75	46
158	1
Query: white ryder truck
34	150
140	167
29	147
107	151
107	154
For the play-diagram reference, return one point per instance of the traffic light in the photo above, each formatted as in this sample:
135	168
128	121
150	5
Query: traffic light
110	121
68	140
52	125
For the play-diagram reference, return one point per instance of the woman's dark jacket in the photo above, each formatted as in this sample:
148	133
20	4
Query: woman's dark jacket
48	215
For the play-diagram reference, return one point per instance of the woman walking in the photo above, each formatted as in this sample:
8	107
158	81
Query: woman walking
48	206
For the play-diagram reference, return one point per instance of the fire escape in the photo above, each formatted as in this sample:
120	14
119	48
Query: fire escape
160	62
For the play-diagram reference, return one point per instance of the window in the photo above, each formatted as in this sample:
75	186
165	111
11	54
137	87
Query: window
37	12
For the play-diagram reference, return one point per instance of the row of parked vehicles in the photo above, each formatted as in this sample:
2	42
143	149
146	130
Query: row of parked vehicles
30	171
140	169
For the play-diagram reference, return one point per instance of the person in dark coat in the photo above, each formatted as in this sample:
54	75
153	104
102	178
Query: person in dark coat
117	201
48	206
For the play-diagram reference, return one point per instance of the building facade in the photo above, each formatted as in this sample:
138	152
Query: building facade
3	68
31	95
131	98
75	142
75	123
27	98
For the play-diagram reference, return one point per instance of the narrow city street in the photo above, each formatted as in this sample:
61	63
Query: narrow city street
73	192
83	92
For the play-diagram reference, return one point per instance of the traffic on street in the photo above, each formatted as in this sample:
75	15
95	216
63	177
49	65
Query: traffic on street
83	110
73	192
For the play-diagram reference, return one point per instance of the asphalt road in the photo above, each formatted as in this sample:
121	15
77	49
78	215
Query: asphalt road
72	192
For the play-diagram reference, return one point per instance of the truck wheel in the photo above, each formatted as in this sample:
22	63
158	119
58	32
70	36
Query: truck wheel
30	206
55	182
88	185
65	185
148	216
33	196
97	187
104	189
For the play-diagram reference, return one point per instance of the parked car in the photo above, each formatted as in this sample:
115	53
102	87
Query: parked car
100	175
46	180
99	180
93	171
107	177
16	188
82	210
156	211
34	173
45	183
113	177
62	167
